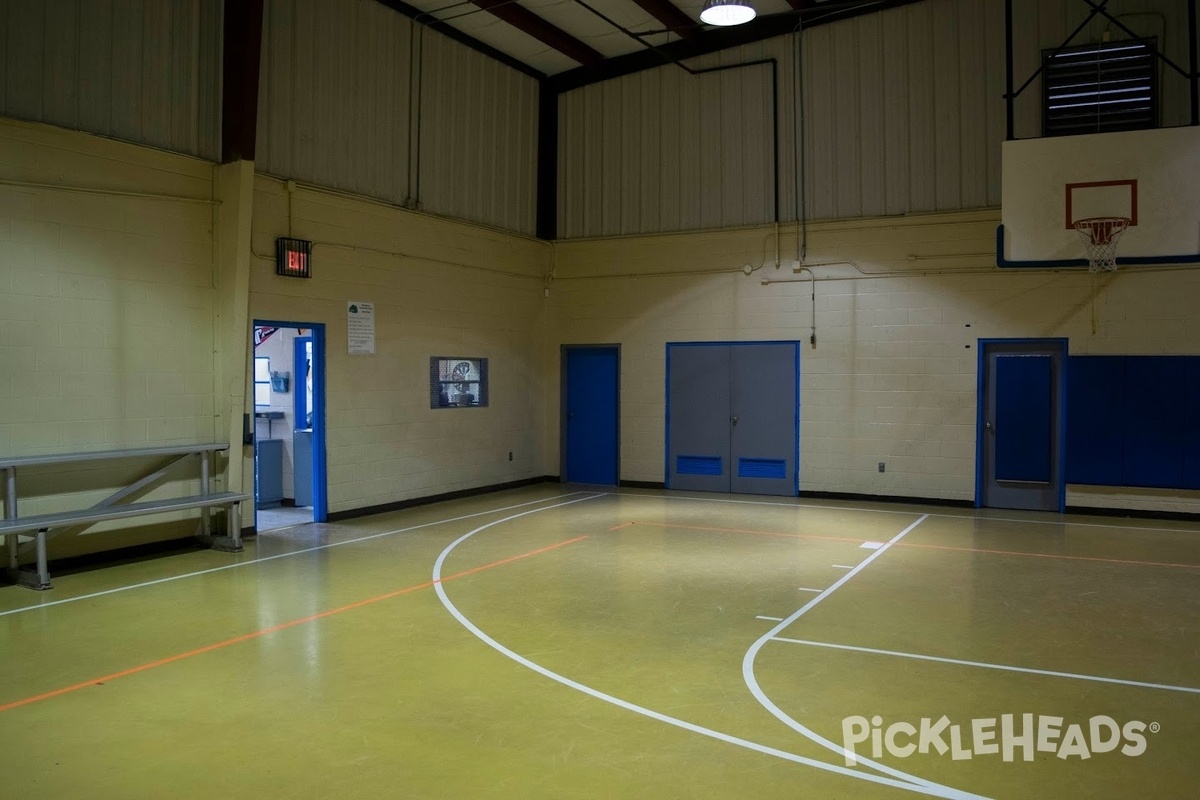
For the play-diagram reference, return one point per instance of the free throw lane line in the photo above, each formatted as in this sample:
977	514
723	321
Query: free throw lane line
766	702
1029	670
870	545
932	789
283	626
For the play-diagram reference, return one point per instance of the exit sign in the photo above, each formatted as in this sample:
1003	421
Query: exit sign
293	257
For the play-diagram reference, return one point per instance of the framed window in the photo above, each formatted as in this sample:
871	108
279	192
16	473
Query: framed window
1096	88
457	382
262	381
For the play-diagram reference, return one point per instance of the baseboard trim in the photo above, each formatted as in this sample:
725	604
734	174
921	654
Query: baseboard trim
642	485
887	498
1134	513
412	502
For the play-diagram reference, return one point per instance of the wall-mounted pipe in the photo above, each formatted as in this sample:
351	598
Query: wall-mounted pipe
52	187
798	154
812	279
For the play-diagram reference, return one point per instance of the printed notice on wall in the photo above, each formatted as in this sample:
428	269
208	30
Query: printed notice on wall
360	325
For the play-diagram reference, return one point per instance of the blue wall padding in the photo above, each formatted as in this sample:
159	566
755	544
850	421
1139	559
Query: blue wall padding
1131	421
1095	416
1191	431
1024	417
1155	417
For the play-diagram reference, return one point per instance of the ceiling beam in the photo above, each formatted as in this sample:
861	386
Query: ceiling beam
241	51
676	21
710	41
548	34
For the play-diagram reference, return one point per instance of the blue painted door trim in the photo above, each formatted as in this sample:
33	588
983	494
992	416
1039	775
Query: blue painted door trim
1060	410
320	484
299	399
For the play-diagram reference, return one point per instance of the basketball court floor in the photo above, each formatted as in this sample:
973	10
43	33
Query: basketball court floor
565	642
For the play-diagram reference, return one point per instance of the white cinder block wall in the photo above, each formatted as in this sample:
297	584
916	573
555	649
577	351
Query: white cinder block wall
106	299
893	377
440	288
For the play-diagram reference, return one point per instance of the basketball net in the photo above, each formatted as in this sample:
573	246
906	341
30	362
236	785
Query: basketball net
1100	236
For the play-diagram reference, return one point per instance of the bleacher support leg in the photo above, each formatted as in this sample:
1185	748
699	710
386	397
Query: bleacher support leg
43	571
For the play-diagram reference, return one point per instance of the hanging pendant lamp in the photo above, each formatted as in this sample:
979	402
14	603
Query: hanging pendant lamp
727	12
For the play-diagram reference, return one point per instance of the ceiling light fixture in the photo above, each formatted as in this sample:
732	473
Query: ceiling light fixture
727	12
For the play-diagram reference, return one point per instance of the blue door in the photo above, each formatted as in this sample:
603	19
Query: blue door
590	414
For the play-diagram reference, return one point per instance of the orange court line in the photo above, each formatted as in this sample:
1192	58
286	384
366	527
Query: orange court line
282	626
931	546
757	533
1049	555
619	527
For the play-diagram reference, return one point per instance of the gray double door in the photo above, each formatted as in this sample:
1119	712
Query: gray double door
733	417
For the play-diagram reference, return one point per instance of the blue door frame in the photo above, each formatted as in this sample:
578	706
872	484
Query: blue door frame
1060	410
320	487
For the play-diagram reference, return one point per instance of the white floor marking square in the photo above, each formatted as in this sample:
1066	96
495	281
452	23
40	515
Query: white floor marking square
871	545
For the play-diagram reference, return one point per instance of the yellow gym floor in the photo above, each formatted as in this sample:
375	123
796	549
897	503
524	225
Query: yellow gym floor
562	642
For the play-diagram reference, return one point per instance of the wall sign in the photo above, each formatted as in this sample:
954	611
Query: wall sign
360	327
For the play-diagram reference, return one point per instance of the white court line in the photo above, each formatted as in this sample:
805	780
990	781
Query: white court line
280	555
842	566
764	503
766	702
917	505
932	789
805	589
986	665
871	545
771	619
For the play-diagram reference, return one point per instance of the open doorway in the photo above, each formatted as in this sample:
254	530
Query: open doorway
289	424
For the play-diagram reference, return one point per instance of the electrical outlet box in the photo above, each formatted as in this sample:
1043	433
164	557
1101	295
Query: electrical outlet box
882	466
510	455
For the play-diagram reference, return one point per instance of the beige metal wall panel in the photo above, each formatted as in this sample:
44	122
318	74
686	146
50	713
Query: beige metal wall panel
666	150
339	106
333	96
147	71
901	112
478	138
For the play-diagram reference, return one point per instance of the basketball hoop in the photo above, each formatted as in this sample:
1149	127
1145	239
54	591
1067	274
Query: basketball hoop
1100	236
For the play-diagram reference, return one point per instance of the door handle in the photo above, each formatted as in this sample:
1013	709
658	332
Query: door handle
988	426
735	421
